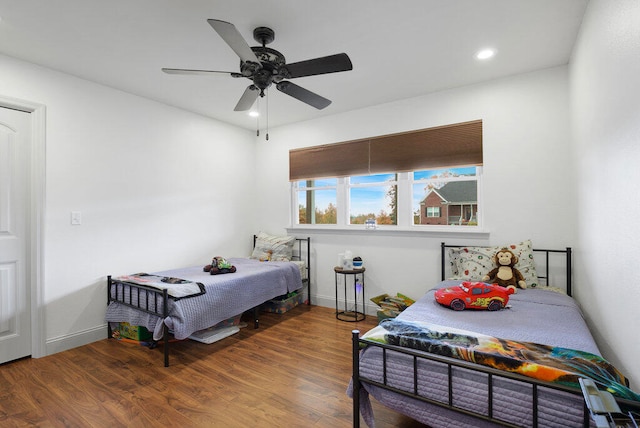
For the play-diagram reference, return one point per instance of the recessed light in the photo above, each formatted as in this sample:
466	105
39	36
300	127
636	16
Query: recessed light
254	114
485	54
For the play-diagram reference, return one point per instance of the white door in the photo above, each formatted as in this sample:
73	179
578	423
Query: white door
15	314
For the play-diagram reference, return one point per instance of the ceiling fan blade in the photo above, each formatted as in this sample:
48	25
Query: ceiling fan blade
324	65
303	95
247	99
234	39
198	72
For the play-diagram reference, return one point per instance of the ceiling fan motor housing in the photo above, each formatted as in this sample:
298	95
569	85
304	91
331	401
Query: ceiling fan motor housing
264	35
269	70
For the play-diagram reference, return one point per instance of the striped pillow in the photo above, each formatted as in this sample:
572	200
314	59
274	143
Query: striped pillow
278	248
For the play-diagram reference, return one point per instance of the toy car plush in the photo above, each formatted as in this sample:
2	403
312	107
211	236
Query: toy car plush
474	295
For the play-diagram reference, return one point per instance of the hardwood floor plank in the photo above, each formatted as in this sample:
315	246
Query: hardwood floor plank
293	371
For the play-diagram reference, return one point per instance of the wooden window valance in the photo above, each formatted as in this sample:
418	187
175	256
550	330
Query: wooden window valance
453	145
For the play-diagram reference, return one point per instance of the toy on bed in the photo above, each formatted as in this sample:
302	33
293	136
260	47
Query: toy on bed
505	274
219	265
474	295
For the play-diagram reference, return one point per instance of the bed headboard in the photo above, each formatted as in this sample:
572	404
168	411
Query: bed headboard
301	248
301	252
544	253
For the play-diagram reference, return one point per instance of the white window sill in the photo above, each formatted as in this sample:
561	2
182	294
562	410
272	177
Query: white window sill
435	231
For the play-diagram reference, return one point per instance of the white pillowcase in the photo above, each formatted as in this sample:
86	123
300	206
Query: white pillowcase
472	263
278	248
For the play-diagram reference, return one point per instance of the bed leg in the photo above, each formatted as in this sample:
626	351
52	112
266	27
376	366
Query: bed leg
355	335
109	331
256	317
165	338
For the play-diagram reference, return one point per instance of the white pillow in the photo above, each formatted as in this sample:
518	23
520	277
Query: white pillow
472	263
278	248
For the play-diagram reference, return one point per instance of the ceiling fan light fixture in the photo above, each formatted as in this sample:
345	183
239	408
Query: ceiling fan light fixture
485	54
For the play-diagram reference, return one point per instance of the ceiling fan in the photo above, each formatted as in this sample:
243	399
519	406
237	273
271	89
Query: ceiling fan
265	66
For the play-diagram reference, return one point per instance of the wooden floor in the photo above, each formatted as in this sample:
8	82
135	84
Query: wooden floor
291	372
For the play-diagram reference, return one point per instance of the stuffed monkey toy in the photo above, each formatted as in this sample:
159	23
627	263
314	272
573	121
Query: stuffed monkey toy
505	274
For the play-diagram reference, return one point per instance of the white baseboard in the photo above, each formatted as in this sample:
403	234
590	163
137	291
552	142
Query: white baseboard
73	340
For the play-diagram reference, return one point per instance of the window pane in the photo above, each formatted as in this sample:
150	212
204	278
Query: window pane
317	207
454	202
379	202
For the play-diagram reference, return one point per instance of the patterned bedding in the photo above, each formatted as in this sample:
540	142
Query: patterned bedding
533	315
252	284
553	364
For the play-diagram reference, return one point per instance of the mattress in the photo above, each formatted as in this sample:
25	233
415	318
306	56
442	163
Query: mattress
533	315
226	295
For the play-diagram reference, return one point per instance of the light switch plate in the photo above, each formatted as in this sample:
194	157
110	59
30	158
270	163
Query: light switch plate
76	217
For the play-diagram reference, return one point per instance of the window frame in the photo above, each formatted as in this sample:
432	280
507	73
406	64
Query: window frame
349	186
405	214
295	206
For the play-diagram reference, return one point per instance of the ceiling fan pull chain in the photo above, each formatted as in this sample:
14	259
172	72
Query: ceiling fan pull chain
267	126
258	119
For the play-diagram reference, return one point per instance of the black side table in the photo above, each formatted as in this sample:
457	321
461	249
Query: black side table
356	275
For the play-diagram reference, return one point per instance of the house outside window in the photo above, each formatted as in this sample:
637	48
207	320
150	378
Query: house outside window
452	192
447	197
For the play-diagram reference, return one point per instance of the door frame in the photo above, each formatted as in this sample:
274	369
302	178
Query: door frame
36	207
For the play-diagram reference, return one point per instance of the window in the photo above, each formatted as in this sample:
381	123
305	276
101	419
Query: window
396	180
373	196
432	211
446	197
443	197
317	201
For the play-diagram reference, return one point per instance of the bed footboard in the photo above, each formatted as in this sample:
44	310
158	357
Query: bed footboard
491	375
142	298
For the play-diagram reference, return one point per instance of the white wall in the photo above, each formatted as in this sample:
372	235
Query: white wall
528	192
605	102
153	184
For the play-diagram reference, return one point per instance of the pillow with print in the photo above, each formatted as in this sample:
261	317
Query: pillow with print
472	263
273	247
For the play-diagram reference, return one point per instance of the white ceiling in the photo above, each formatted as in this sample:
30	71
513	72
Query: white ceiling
399	49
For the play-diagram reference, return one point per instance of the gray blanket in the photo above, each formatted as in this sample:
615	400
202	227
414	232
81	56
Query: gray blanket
252	284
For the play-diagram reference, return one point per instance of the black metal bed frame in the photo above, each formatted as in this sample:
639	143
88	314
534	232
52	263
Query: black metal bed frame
155	301
451	363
